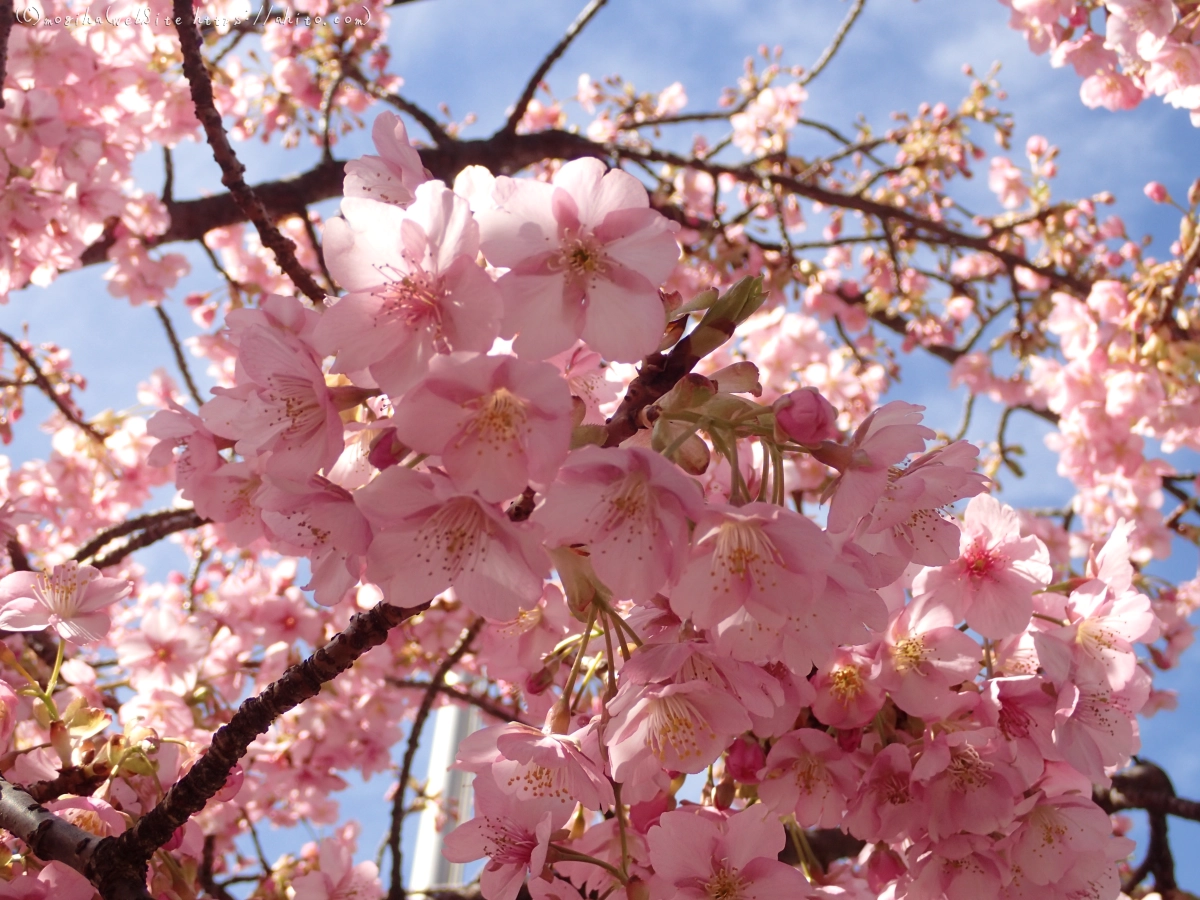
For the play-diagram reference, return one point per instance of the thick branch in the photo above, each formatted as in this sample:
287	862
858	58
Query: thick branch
121	857
231	168
55	840
7	19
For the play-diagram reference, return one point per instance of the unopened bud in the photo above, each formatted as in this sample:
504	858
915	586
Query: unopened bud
805	417
386	450
724	794
1194	193
558	720
1157	191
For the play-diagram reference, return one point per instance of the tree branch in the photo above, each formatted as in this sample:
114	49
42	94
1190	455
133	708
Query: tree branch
586	15
231	168
7	19
152	523
835	44
50	838
120	858
177	349
44	385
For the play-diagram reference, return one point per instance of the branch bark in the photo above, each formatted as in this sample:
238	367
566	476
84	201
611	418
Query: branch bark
231	168
120	859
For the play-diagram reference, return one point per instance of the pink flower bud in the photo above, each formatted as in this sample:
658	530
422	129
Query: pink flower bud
232	785
744	760
1157	191
805	417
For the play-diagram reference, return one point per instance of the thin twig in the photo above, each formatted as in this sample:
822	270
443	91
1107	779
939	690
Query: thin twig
137	523
168	191
484	703
834	45
232	169
177	349
396	889
572	32
44	385
315	240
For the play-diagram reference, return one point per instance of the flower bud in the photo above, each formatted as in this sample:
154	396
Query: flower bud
744	760
1157	191
725	793
804	416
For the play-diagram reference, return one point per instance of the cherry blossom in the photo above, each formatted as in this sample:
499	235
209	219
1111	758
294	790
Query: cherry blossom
700	856
71	599
415	289
585	256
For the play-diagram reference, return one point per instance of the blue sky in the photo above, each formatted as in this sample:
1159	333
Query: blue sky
475	55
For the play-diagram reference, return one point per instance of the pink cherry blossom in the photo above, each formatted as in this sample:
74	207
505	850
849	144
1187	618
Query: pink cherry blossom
699	856
631	508
430	537
993	580
322	523
393	176
70	599
532	765
415	287
514	835
923	656
585	256
679	727
884	438
498	423
281	404
808	775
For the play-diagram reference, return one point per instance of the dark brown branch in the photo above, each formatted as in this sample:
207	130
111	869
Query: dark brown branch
177	349
396	889
150	536
8	18
81	781
17	557
50	838
232	169
137	523
586	15
168	191
205	874
126	856
1146	786
44	385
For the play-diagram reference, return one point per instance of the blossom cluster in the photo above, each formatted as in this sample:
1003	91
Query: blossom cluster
665	618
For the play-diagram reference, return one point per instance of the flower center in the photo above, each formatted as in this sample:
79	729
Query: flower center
743	551
908	654
725	884
453	538
500	419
